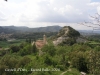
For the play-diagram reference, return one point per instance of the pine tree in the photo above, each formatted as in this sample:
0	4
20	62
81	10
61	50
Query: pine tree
34	49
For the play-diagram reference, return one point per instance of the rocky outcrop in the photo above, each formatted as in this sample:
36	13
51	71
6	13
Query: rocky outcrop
59	40
67	35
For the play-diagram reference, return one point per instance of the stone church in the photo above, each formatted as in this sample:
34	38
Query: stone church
40	43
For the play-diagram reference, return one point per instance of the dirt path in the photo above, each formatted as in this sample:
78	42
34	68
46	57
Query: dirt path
65	72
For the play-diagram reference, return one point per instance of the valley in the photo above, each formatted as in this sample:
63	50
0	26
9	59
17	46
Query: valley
71	54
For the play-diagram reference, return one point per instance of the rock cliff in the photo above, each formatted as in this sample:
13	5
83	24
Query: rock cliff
67	35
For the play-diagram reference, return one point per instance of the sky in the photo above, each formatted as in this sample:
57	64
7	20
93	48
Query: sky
40	13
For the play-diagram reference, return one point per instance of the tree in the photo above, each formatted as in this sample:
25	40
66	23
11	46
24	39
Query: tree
94	62
34	49
15	48
24	61
26	40
95	23
49	49
47	60
5	0
69	41
8	62
26	50
78	60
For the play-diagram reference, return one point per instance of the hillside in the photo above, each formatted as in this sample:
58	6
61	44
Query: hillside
67	35
68	31
18	28
20	57
46	29
54	28
39	29
6	30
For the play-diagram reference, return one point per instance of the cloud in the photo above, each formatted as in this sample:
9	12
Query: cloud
98	9
46	12
57	11
2	16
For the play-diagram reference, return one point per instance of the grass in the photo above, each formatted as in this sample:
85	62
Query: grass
6	44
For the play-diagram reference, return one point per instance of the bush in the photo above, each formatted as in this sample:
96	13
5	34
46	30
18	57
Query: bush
14	48
47	60
24	61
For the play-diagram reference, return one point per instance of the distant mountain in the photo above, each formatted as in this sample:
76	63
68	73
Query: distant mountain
39	29
6	30
89	32
46	29
56	28
20	28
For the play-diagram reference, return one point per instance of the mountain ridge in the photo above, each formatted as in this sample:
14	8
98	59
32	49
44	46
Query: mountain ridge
54	28
39	29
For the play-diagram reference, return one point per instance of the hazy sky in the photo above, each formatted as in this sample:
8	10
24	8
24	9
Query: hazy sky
39	13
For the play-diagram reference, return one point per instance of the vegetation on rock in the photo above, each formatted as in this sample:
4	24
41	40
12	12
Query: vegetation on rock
67	35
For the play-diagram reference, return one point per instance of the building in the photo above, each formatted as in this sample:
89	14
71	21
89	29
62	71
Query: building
40	43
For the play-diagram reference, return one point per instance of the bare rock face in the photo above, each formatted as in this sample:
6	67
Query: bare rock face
59	40
67	35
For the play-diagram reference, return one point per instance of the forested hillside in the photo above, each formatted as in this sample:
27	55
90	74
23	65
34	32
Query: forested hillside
39	29
6	30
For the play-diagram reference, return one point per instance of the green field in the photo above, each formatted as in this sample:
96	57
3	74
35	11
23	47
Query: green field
6	44
93	42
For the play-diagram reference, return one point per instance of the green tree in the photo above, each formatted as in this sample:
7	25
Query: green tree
47	60
26	50
93	59
23	62
34	49
49	49
15	48
79	61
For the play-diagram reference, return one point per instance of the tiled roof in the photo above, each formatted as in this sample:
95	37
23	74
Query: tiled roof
39	44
